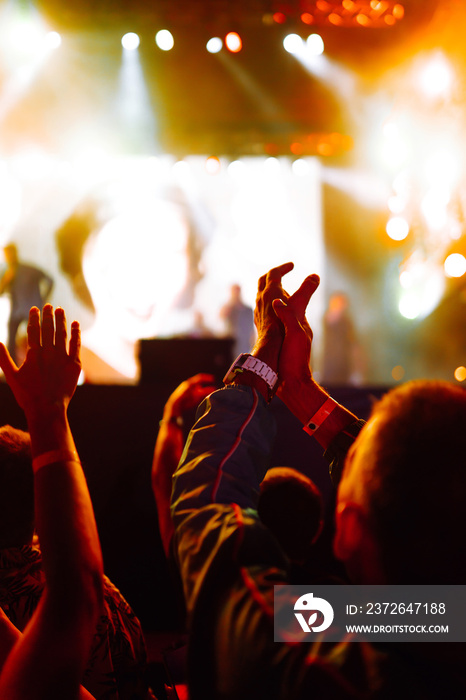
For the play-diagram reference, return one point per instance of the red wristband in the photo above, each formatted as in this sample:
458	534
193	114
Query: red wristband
320	416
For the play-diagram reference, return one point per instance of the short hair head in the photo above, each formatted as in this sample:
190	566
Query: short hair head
16	488
290	505
409	472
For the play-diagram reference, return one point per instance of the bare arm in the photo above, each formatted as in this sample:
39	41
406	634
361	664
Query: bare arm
169	446
56	643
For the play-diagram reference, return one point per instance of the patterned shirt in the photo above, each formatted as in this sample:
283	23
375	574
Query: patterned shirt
117	661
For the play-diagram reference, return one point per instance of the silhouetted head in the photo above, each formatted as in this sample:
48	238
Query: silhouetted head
16	488
290	505
401	515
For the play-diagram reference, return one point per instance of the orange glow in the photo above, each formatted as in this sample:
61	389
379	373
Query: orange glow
348	5
390	20
233	42
325	148
323	6
307	18
363	20
398	373
279	17
296	148
460	374
271	149
335	19
398	11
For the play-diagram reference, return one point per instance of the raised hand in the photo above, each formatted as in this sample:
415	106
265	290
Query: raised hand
48	377
295	355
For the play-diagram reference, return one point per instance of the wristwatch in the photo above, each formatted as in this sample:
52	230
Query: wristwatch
249	363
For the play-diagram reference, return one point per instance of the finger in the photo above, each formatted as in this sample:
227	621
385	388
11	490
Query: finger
300	299
75	342
47	326
286	314
6	363
262	282
33	330
60	329
276	273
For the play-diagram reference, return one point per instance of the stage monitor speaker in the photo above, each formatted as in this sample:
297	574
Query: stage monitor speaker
169	361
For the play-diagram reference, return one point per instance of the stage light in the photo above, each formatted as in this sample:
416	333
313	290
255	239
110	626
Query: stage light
335	19
164	40
406	279
436	77
272	164
214	45
398	373
307	18
410	306
315	45
53	40
279	17
460	374
397	228
233	42
212	165
300	167
130	41
293	43
455	265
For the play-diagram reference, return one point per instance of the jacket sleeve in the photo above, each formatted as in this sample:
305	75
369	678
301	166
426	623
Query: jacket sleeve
216	485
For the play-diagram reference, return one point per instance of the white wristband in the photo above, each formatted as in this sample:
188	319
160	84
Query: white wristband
320	416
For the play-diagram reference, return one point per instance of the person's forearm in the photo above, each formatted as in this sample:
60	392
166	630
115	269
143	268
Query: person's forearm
304	399
167	454
73	561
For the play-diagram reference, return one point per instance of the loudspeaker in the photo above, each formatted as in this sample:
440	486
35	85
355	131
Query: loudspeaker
169	361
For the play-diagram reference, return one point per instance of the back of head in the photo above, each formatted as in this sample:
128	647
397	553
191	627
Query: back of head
416	484
290	505
16	488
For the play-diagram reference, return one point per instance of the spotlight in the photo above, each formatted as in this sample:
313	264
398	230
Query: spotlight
164	40
397	228
212	165
436	77
455	265
315	45
53	40
233	42
410	306
214	45
130	41
293	43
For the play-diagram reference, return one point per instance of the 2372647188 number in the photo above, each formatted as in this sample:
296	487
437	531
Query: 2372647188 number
405	608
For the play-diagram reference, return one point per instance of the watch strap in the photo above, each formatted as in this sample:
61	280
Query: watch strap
248	363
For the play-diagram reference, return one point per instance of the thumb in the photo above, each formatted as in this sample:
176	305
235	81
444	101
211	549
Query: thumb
285	313
300	299
6	363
